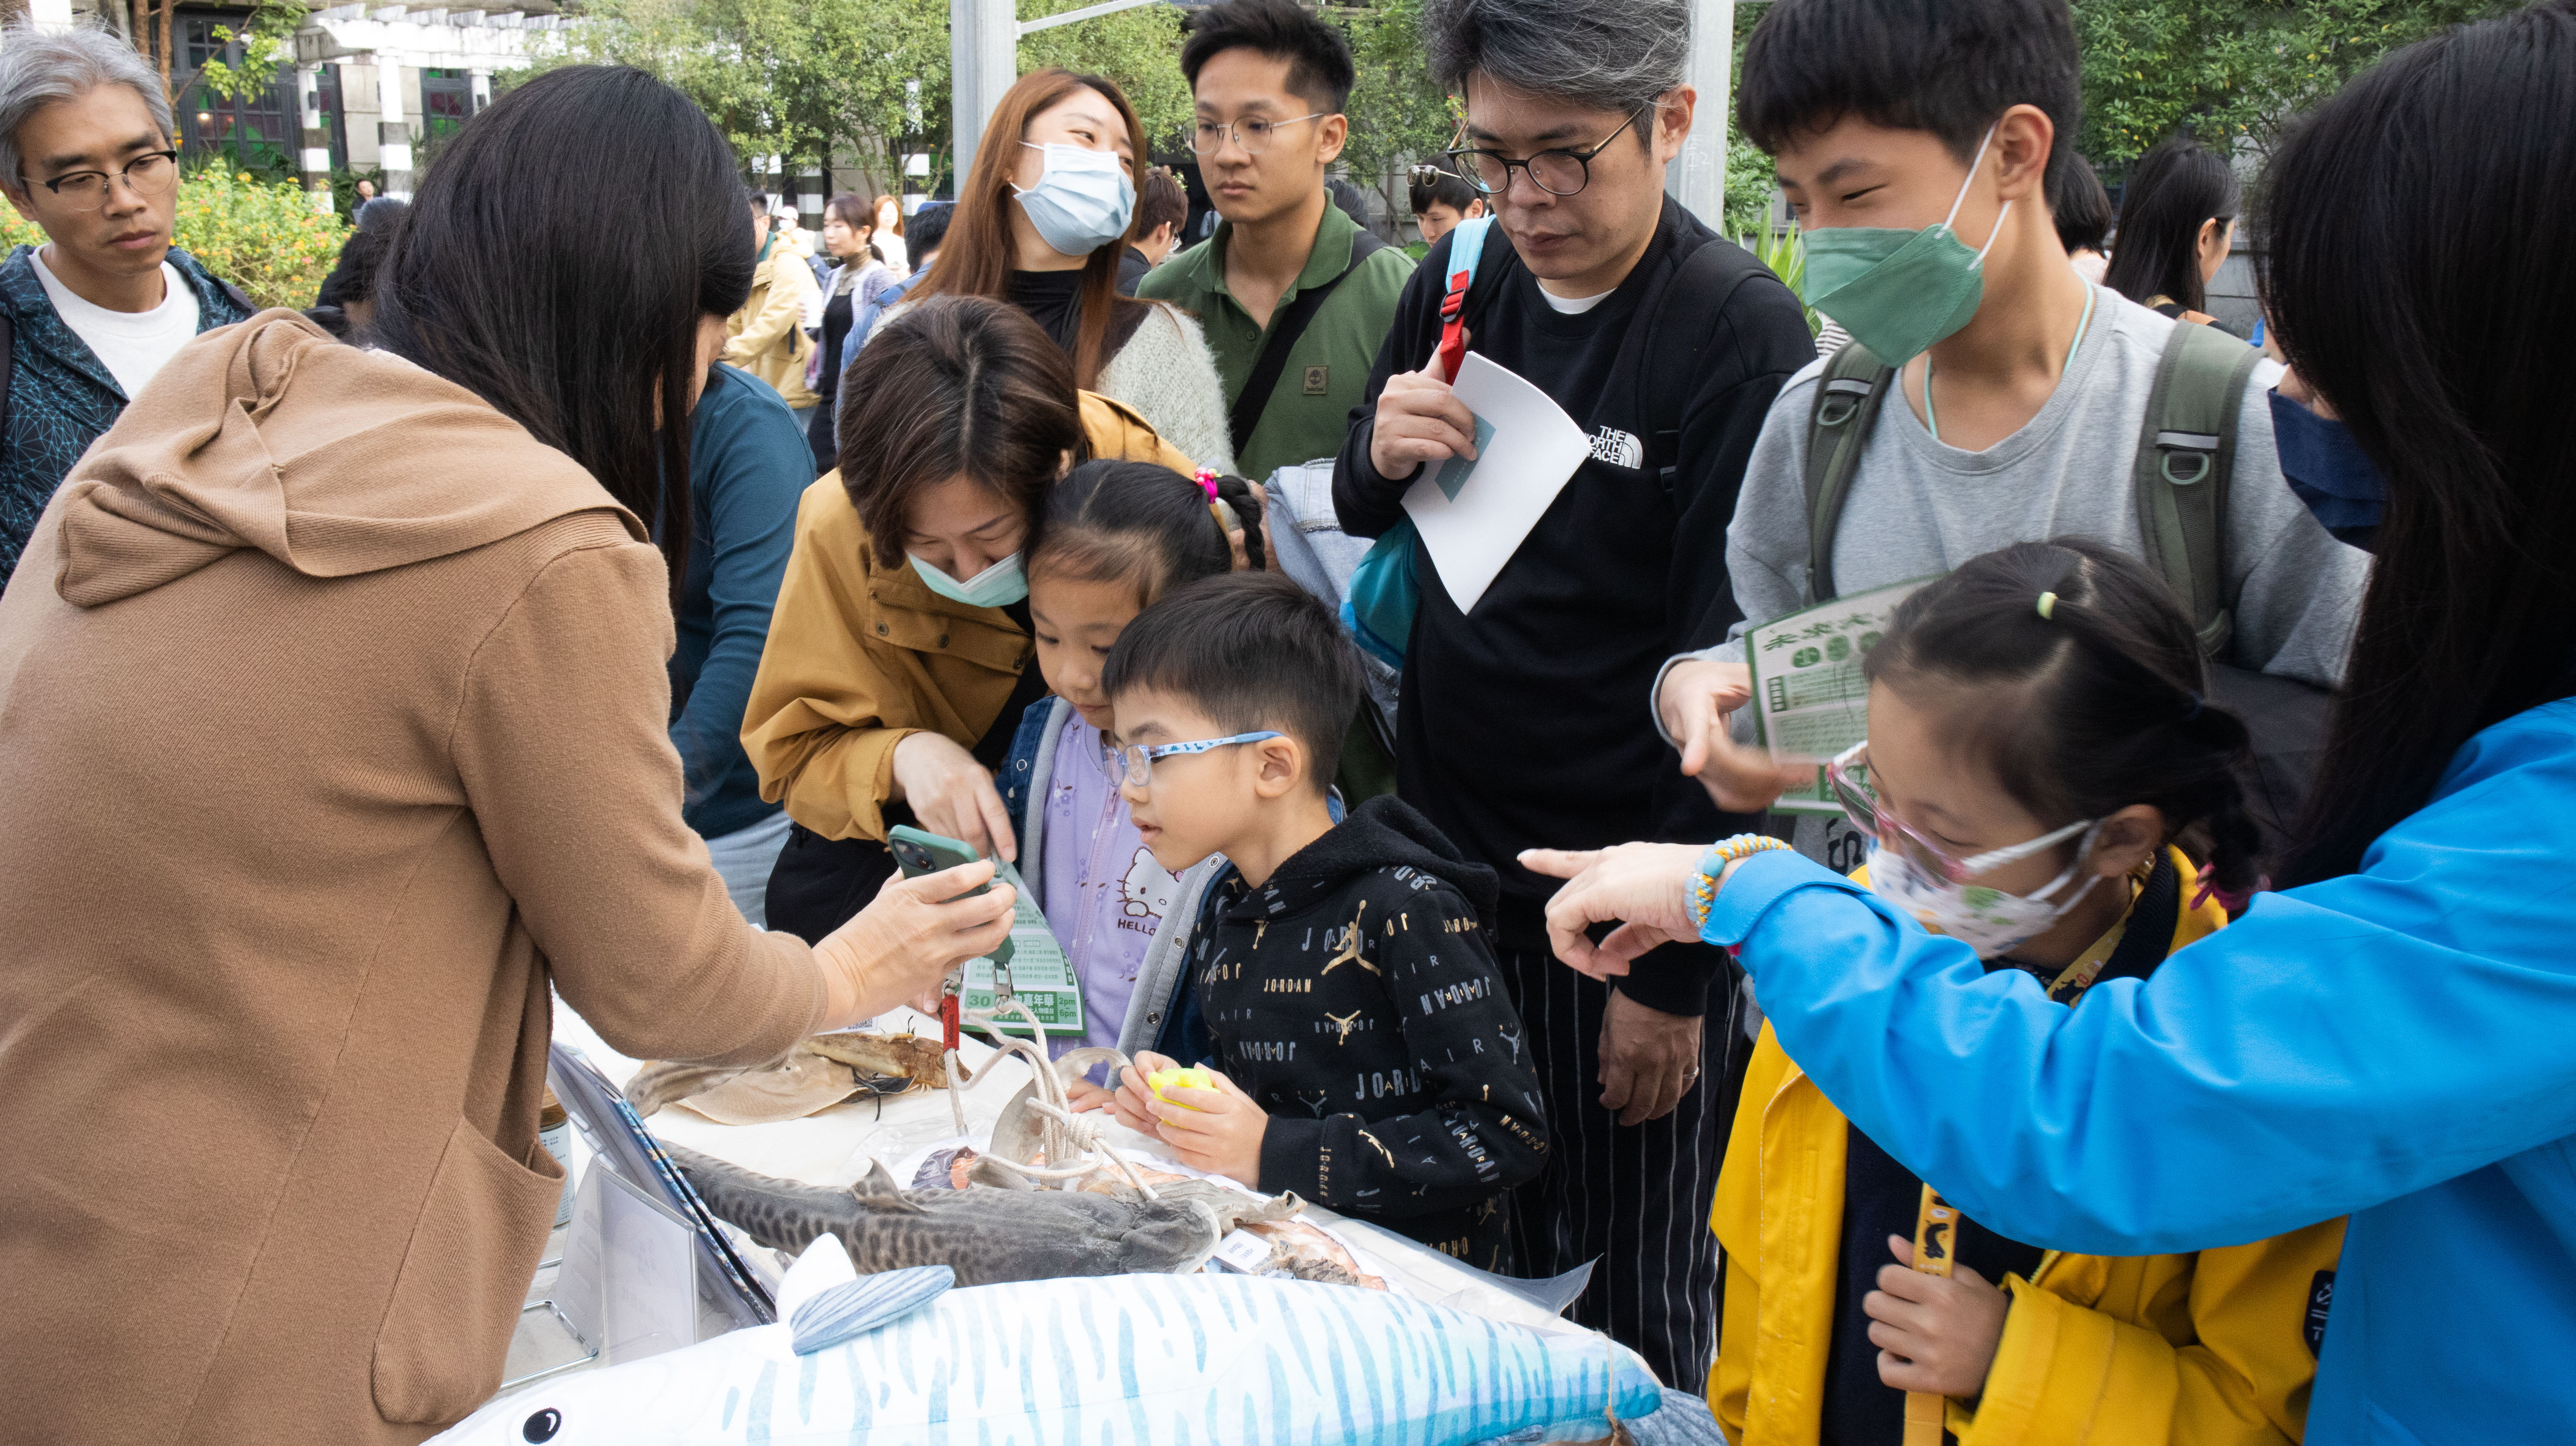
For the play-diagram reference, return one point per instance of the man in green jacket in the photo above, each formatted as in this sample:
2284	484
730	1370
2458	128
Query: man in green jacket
1286	268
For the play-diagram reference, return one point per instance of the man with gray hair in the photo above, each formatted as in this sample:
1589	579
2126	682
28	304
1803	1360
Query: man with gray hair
88	154
1519	725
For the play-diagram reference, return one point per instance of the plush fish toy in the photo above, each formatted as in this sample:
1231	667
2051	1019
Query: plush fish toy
1121	1360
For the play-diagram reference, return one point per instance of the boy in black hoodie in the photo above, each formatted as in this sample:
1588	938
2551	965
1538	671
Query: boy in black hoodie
1342	980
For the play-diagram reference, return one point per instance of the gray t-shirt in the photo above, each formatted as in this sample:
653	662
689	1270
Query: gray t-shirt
1918	507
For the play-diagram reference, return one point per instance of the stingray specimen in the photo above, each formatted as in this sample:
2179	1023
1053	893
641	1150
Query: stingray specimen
817	1074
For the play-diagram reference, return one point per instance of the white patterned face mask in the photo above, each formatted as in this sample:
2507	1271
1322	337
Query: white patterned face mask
1985	919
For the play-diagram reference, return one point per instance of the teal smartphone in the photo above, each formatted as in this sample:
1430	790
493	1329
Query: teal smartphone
919	851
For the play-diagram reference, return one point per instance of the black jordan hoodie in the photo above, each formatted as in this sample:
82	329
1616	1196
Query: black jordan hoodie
1354	995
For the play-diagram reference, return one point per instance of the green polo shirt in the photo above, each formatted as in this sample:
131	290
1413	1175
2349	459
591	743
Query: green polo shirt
1328	368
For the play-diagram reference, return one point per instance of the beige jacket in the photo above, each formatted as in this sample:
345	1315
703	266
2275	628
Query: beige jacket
767	337
335	714
860	657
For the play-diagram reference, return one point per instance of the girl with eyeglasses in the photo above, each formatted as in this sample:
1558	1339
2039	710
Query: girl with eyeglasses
2044	782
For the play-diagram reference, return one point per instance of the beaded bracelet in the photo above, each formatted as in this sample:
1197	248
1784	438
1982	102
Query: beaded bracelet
1703	885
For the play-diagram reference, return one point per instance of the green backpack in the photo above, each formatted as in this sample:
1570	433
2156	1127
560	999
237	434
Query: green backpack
2186	454
2186	457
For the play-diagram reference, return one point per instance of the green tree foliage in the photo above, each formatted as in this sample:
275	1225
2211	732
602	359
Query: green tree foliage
865	80
1398	117
265	46
2229	71
1139	49
795	78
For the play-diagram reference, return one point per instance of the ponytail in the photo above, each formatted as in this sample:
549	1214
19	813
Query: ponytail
2094	682
1138	522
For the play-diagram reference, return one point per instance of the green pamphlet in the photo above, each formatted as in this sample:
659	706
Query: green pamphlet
1038	974
1810	701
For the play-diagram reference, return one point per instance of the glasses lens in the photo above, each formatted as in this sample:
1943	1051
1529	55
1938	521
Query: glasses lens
1252	134
1858	806
1921	853
1205	138
151	174
86	191
1559	173
1483	171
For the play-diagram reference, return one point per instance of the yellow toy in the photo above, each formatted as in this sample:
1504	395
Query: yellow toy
1189	1077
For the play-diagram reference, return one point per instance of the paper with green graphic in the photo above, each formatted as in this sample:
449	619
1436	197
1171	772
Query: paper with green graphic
1810	701
1038	973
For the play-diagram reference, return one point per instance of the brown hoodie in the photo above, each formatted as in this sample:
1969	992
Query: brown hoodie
333	707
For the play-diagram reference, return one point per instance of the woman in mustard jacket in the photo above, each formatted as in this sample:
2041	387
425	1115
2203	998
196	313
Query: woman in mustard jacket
2037	743
897	664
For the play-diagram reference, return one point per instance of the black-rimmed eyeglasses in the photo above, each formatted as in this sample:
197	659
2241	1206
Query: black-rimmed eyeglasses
1558	172
148	174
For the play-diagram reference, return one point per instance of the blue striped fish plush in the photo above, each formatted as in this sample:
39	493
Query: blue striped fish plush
1120	1360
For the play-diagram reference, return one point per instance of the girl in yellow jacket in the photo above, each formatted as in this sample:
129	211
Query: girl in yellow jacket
2041	772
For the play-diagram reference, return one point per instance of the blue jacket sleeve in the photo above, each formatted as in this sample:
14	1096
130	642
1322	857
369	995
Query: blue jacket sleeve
2341	1045
751	464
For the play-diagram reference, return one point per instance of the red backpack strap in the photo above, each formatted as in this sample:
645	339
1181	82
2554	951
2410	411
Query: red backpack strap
1453	322
1466	246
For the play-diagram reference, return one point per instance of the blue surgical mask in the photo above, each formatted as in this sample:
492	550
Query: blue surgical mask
2329	472
1083	202
1897	292
1000	585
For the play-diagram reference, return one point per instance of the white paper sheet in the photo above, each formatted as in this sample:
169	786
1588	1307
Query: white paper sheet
1474	515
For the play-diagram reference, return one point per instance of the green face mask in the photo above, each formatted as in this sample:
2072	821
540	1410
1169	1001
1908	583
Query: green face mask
1898	292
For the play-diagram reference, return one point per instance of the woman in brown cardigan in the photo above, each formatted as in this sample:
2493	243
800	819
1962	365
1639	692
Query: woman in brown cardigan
898	658
332	691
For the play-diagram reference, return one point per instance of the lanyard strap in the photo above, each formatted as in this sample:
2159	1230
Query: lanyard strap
1933	424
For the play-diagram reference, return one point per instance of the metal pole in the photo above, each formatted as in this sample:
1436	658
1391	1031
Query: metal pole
393	132
1697	177
983	60
810	198
1107	7
317	136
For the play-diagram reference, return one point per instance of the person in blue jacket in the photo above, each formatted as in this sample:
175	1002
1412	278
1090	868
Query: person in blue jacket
2391	1037
748	465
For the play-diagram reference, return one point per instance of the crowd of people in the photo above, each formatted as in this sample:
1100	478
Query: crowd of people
555	615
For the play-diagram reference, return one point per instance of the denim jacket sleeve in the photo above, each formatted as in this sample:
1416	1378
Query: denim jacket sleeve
2341	1045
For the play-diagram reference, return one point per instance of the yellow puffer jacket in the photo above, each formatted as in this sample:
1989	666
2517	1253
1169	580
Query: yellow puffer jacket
767	337
2204	1349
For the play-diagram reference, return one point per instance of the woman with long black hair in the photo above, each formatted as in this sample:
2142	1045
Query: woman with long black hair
2177	221
336	715
2390	1038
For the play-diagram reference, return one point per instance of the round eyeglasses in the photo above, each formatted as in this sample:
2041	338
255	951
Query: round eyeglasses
148	174
1133	764
1558	172
1848	775
1252	133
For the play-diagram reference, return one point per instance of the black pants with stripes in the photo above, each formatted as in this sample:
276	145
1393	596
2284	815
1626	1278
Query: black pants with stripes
1633	1198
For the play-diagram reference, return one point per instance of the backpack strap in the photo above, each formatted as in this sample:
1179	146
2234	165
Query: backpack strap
1848	397
1692	302
2186	454
1466	246
1285	328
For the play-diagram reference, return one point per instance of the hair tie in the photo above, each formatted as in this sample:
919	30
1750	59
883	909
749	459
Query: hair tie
1206	477
2194	710
2047	606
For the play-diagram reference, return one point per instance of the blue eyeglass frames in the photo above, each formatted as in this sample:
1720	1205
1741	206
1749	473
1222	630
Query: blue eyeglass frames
1133	763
